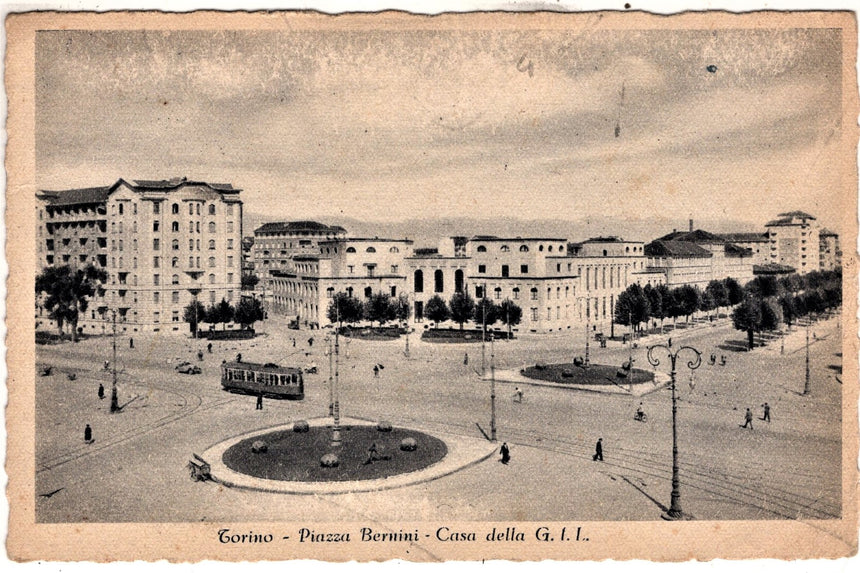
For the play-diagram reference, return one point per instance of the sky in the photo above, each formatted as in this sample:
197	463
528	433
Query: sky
391	125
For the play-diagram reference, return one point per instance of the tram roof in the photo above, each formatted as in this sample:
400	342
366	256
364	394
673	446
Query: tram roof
268	367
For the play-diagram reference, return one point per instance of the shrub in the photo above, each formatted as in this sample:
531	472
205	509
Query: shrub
540	366
259	447
384	426
329	461
567	373
408	444
301	427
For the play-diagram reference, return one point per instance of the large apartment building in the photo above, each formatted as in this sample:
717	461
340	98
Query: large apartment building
794	241
163	244
697	257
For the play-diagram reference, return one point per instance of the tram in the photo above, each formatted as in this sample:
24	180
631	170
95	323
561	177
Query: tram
270	380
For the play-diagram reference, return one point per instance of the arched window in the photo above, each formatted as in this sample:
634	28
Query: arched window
175	279
175	244
516	293
604	252
438	281
212	209
505	249
524	248
368	292
534	293
540	248
497	292
418	281
329	292
560	248
481	249
212	278
393	250
211	227
370	250
211	261
174	226
211	244
349	292
549	248
627	249
175	208
350	249
174	263
458	280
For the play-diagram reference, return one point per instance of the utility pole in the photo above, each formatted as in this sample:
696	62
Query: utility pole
114	400
806	381
483	329
330	352
335	432
587	328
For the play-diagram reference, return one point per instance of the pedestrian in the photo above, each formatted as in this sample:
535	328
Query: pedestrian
101	391
670	342
209	348
722	359
239	357
311	341
294	342
260	401
518	395
466	359
506	453
748	419
376	371
88	434
107	364
766	416
598	450
131	342
200	356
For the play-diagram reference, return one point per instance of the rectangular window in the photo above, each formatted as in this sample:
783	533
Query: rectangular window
505	271
156	262
156	245
229	278
175	297
534	314
229	243
156	317
175	316
155	225
156	208
156	297
229	208
156	280
394	269
230	261
524	269
212	296
229	296
350	269
482	268
229	226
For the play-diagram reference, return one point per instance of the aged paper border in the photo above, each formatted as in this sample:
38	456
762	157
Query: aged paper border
661	541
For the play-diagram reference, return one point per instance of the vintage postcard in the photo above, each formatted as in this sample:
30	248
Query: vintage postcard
476	286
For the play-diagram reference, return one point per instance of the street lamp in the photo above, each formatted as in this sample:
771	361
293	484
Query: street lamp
806	380
587	329
330	353
675	512
335	432
492	388
114	400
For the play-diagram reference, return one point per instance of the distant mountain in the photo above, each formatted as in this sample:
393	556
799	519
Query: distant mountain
428	232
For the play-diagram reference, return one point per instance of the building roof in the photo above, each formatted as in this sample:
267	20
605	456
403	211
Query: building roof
679	249
733	250
611	239
89	195
825	232
298	226
772	269
513	239
744	237
797	214
697	236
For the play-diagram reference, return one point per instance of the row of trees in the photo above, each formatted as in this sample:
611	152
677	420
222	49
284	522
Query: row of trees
246	313
638	305
67	292
770	302
463	308
379	308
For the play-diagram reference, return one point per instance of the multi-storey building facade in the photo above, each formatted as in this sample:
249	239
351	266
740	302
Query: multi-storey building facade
794	241
275	243
757	243
698	257
830	254
163	244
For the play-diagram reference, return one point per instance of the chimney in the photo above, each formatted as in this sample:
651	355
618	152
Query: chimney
691	225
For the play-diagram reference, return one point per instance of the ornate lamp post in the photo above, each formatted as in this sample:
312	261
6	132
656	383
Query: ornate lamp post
587	329
330	353
806	380
335	432
675	511
492	388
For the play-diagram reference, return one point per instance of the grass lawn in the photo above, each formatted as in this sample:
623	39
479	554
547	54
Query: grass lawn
594	375
293	456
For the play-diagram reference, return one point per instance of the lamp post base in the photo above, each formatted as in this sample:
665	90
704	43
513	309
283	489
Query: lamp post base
676	515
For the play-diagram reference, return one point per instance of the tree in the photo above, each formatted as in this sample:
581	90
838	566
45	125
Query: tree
194	314
220	313
249	281
689	300
248	311
436	310
719	293
707	303
789	309
486	312
771	314
655	303
667	302
763	287
68	292
510	314
632	305
462	307
379	308
402	310
734	290
344	308
747	317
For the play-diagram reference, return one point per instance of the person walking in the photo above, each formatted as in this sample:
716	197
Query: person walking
518	395
748	420
88	434
101	391
209	348
766	415
200	356
260	401
310	341
506	453
376	371
131	342
598	451
466	359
